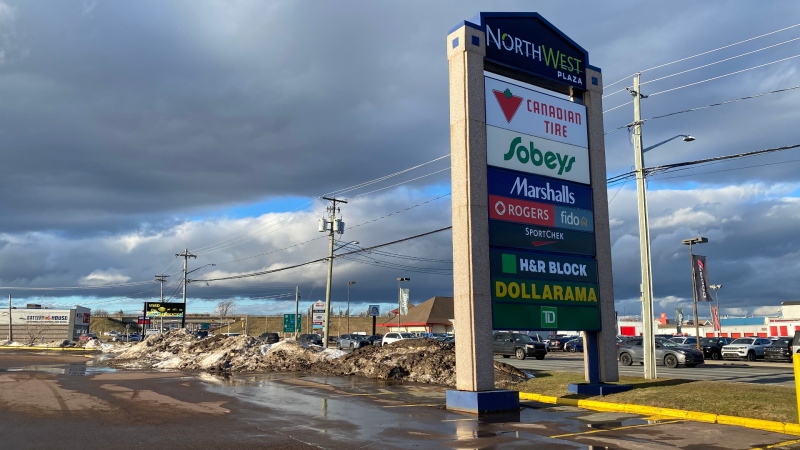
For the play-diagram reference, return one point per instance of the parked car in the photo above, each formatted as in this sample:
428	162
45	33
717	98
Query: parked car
269	338
574	345
780	350
712	347
449	339
352	341
518	345
375	339
553	342
668	353
200	334
111	333
750	348
389	338
85	337
333	340
689	341
310	339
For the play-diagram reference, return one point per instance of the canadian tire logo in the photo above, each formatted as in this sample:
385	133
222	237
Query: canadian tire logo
509	103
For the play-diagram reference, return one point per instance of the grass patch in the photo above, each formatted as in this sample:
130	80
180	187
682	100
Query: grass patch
753	401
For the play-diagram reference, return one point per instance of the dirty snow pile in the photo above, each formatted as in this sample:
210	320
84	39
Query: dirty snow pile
420	360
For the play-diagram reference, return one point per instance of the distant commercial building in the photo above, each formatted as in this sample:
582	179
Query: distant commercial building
432	316
36	324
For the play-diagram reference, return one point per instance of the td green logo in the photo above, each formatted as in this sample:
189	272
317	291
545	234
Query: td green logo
549	317
531	154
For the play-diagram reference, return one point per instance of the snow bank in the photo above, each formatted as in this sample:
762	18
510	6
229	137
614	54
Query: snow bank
420	360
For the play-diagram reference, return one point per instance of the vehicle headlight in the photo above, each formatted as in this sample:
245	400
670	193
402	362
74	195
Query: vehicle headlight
530	346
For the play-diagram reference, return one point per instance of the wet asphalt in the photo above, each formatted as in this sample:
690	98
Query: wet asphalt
73	401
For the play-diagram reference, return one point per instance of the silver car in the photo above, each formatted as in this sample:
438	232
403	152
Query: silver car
667	352
352	341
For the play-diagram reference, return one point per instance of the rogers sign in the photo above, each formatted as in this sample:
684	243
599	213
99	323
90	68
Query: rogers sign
521	211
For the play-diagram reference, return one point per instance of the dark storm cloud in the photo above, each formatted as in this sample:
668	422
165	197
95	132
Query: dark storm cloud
121	120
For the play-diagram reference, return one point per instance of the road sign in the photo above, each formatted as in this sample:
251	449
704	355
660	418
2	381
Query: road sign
289	323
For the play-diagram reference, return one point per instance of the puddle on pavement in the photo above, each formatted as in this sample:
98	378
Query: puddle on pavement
64	369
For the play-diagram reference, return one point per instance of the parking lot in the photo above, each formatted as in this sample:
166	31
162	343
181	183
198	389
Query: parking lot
74	396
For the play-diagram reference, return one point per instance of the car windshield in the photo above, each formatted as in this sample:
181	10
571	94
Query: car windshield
783	341
523	338
407	336
743	341
709	341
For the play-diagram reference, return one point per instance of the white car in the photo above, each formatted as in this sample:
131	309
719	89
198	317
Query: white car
388	338
111	333
750	348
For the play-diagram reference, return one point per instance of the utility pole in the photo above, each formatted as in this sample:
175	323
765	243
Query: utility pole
333	227
161	279
186	255
648	340
296	311
10	333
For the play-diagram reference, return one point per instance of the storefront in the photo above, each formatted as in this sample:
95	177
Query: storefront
36	325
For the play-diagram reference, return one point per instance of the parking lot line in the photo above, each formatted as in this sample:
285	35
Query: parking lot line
616	428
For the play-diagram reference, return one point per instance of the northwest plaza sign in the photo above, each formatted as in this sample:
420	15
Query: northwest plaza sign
526	251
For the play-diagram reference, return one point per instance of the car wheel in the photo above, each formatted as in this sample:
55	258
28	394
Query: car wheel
625	359
751	356
691	365
506	356
572	349
716	356
671	361
520	354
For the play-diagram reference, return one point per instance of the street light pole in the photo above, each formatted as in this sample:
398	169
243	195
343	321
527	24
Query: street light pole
648	341
186	255
349	283
689	242
399	280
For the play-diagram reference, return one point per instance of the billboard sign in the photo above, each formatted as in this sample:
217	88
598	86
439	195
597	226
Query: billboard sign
528	42
544	292
528	237
156	309
374	310
538	189
525	153
519	108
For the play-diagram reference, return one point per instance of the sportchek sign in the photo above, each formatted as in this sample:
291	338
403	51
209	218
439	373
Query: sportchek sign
528	237
518	107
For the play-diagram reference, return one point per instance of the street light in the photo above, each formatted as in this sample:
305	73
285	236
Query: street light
349	283
689	242
399	280
716	288
648	343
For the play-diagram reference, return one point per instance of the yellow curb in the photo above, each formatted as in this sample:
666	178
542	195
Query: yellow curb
697	416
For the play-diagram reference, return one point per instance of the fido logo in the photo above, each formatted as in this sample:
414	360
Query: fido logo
530	154
573	219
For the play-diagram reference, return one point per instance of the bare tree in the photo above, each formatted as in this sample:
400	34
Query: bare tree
100	313
224	307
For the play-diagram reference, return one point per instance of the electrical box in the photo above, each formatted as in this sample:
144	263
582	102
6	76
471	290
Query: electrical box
323	225
340	226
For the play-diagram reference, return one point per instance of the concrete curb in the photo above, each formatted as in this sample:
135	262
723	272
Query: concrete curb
758	424
74	349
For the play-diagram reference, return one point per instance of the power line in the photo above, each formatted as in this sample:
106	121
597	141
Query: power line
698	108
264	272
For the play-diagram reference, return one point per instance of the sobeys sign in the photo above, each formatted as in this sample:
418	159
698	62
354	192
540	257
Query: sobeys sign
528	42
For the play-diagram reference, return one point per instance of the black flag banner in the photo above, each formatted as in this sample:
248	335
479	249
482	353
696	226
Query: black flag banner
701	278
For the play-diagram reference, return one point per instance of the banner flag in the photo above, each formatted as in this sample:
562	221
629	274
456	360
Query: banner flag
715	315
403	302
701	278
678	319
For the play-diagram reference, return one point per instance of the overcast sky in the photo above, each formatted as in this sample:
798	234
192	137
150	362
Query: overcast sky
131	131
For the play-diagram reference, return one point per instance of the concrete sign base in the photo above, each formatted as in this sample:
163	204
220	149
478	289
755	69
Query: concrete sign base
485	402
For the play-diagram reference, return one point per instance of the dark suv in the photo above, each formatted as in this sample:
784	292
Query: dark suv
517	344
308	339
269	338
780	350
